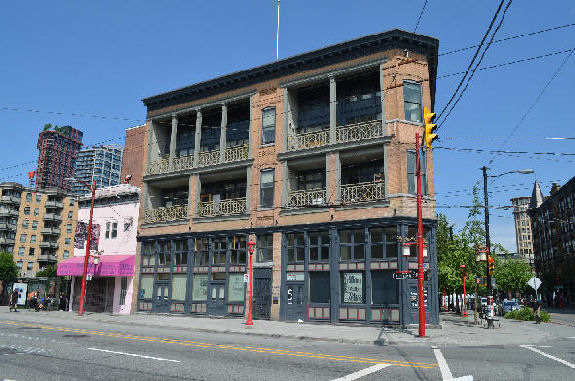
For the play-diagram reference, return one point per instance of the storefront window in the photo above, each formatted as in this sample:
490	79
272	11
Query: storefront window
383	242
384	289
200	287
352	287
352	244
146	286
265	248
165	256
295	247
220	249
412	237
179	286
319	246
181	252
123	289
236	288
148	254
202	253
319	290
238	250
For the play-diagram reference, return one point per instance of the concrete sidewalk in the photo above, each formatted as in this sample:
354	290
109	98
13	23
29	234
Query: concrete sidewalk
455	331
564	316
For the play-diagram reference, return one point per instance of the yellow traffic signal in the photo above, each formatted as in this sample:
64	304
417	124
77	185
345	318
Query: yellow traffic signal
429	127
491	265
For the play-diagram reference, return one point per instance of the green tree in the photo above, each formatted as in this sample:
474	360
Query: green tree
48	272
8	269
512	275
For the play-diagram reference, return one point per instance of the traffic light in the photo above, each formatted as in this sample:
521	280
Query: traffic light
429	127
491	265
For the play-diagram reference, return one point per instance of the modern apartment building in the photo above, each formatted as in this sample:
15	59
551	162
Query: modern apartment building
102	164
312	157
39	226
57	152
523	237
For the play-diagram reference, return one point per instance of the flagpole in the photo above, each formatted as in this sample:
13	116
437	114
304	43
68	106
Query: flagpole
278	34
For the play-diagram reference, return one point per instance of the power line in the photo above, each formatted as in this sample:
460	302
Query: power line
419	18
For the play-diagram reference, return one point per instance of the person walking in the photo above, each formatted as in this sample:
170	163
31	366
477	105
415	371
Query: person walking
537	312
14	300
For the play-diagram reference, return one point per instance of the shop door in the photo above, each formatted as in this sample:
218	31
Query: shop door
162	301
216	304
295	308
262	293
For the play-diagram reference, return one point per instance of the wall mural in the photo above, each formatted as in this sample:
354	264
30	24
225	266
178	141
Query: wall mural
82	235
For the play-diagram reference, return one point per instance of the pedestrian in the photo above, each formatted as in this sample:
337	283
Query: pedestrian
63	302
537	312
14	300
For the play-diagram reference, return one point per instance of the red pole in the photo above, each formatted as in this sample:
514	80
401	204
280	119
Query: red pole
464	293
419	242
87	257
249	320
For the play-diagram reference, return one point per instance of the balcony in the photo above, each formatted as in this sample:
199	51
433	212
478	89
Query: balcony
228	207
307	198
52	217
5	226
205	159
159	166
183	162
8	212
165	214
308	140
10	199
363	192
6	241
359	131
51	231
54	205
47	258
48	245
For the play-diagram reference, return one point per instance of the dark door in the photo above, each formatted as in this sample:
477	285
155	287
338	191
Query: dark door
162	301
216	304
294	299
262	293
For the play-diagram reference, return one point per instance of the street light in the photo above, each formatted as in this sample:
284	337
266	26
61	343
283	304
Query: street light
251	247
92	189
488	241
464	292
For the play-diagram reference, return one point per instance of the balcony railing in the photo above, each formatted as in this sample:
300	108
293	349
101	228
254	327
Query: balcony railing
237	153
308	140
363	192
307	198
171	213
47	231
228	207
209	158
7	226
52	217
54	204
13	199
48	245
6	241
183	162
359	131
159	166
47	258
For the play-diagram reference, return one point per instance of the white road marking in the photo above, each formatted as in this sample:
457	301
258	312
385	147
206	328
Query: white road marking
363	372
572	366
544	346
443	367
133	355
573	337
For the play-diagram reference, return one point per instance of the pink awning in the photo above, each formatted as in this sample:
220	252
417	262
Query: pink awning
110	265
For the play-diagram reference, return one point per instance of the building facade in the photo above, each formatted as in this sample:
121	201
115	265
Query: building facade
523	237
312	157
553	224
102	164
39	226
57	152
134	159
113	241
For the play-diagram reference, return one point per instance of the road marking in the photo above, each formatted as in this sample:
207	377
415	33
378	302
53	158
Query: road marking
363	372
572	366
443	367
133	355
573	337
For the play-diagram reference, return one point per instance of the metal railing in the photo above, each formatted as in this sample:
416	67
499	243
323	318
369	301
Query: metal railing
228	207
307	197
359	131
237	153
52	217
171	213
308	140
54	204
159	166
363	192
209	158
183	162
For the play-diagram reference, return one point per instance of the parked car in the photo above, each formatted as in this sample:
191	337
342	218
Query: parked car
510	305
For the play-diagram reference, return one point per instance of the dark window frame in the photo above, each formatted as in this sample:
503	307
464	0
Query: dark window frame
353	244
295	249
268	131
265	248
321	245
409	85
265	188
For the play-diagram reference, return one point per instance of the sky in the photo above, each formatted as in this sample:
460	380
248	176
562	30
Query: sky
89	64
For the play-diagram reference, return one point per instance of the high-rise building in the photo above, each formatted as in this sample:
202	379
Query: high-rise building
57	152
100	163
523	237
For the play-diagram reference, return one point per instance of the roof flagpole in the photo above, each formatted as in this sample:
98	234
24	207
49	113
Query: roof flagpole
278	34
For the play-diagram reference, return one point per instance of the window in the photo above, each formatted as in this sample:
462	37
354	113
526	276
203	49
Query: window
352	244
71	202
21	251
36	211
412	101
295	247
412	237
31	252
220	249
67	241
319	290
201	252
38	197
265	249
146	286
267	188
165	256
383	242
200	287
25	224
108	225
30	266
33	238
124	288
148	254
27	210
181	252
34	225
66	254
70	214
319	246
19	264
236	288
23	238
69	228
114	233
238	250
411	177
178	287
352	287
29	197
269	125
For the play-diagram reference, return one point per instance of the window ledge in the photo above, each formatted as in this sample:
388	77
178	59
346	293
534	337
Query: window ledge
260	209
295	211
266	145
363	205
221	218
166	223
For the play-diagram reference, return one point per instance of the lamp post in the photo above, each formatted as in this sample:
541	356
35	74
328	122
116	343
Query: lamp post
88	238
251	247
464	292
488	241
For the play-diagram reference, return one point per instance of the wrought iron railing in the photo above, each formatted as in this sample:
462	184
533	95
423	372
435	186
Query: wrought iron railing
183	162
159	166
209	158
308	140
307	197
359	131
362	192
237	153
228	207
170	213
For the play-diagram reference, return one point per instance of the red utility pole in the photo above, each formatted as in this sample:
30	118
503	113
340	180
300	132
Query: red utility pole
87	257
419	242
251	246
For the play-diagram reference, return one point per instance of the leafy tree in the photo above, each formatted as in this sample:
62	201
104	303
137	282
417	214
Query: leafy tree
48	272
47	126
8	269
512	275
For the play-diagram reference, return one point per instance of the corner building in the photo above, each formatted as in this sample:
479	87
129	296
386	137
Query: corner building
295	155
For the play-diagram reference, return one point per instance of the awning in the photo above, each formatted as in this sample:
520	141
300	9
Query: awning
110	265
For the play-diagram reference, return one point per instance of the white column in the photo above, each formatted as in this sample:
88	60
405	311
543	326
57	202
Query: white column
332	110
173	141
223	132
198	138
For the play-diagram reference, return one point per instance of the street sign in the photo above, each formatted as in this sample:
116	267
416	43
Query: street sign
88	276
246	278
405	274
426	265
534	282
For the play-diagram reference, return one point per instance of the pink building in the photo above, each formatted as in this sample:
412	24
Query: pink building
113	241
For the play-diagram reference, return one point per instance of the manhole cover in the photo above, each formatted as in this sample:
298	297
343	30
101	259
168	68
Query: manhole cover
76	336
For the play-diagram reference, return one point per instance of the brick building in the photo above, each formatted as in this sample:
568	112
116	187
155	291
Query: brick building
294	155
134	155
523	237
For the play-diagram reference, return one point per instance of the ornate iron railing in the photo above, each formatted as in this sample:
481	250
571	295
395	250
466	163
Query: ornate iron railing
359	131
222	208
307	197
209	158
165	214
159	166
362	192
237	153
308	140
183	162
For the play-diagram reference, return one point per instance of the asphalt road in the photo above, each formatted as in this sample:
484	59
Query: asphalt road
84	350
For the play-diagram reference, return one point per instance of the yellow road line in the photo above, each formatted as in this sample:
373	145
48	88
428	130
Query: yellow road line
280	352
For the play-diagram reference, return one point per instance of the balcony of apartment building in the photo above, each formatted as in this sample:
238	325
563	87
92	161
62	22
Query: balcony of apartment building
10	198
166	201
48	244
54	217
8	211
339	110
54	203
7	238
199	139
47	257
8	223
223	195
362	177
305	184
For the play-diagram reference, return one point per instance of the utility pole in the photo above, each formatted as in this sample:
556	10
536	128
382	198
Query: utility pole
421	294
488	249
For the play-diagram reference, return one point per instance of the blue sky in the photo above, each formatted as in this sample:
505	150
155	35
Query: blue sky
101	58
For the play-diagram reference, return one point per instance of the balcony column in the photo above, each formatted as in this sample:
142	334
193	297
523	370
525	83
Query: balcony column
285	120
248	189
332	110
151	144
382	98
285	184
198	138
250	132
173	141
223	133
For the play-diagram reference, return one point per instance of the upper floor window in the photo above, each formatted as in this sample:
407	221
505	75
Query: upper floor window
267	188
269	125
69	228
351	244
36	211
70	214
38	197
21	250
29	197
111	229
23	238
265	246
34	225
412	101
25	224
27	210
295	247
33	238
411	175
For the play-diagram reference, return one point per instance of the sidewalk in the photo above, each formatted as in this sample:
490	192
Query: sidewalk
455	331
564	316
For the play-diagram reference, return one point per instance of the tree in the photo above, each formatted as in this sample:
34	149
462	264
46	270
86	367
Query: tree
8	269
512	275
48	272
